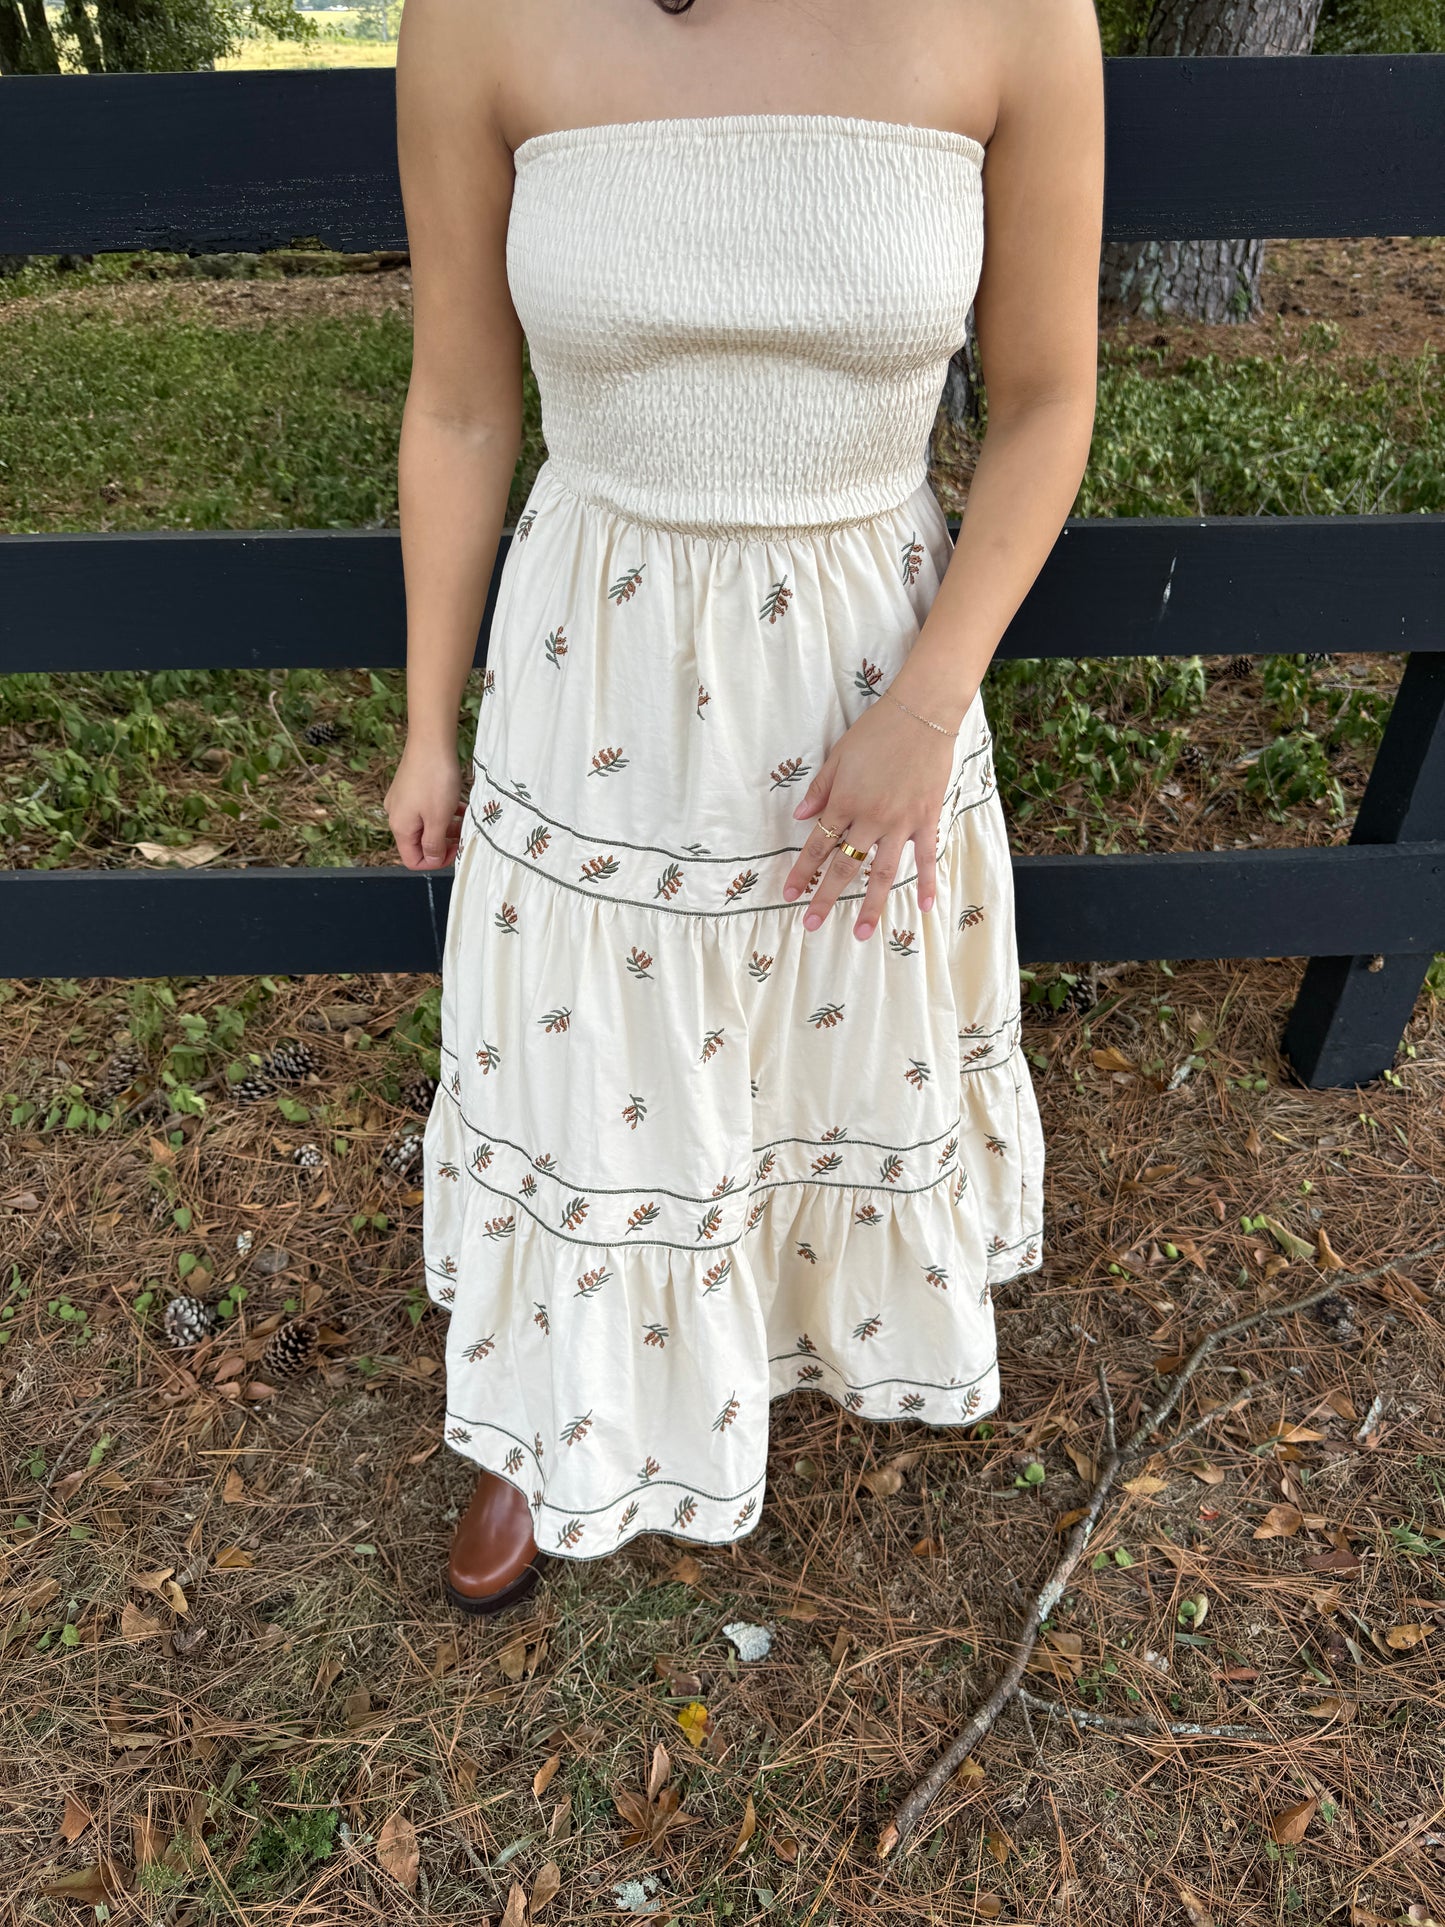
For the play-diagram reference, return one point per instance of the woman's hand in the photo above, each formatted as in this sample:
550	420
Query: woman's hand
883	782
424	806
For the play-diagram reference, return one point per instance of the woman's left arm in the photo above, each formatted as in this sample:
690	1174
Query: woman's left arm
1036	314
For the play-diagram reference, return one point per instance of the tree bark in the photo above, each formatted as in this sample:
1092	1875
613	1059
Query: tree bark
1204	280
27	45
79	22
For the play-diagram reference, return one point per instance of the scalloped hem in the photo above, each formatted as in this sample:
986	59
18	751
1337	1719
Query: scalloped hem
564	1533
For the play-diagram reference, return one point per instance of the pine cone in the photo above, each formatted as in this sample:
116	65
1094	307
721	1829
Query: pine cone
1318	656
418	1091
1240	667
188	1320
322	732
121	1069
289	1063
402	1152
289	1350
308	1156
250	1090
1081	997
1192	758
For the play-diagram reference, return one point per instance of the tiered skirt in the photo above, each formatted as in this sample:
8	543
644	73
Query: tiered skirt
686	1155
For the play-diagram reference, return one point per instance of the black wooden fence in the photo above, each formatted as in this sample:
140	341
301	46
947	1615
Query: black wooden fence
1195	148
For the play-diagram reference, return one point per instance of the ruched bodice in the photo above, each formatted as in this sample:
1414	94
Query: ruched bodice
743	321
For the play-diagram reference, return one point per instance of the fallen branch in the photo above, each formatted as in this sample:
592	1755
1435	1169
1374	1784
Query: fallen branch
1116	1458
1150	1729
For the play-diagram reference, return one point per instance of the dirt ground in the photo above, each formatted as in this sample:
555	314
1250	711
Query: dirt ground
1385	294
231	1669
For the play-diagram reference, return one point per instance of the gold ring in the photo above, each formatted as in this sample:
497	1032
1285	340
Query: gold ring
826	831
848	850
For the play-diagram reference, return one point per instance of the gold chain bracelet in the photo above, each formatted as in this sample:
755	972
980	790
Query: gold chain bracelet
922	719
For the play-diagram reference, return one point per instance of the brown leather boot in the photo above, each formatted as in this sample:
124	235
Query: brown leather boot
490	1564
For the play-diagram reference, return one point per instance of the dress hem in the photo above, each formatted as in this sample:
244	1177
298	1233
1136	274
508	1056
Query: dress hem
750	1496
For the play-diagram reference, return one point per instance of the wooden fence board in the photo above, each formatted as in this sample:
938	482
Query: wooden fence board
332	599
1304	145
1228	903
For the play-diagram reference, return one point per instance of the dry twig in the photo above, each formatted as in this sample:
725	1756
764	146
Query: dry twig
917	1802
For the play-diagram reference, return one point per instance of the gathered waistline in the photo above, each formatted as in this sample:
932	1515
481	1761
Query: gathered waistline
729	530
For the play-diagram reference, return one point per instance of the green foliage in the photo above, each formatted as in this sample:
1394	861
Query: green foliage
1257	435
1381	27
181	36
1345	26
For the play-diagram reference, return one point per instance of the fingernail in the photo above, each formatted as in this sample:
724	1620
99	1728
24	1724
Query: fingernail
864	930
790	890
925	903
812	920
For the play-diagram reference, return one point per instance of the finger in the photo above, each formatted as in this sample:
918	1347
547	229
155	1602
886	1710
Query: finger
925	850
881	872
434	844
841	874
408	842
816	794
810	859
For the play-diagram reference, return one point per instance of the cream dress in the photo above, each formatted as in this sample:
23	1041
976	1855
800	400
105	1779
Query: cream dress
687	1156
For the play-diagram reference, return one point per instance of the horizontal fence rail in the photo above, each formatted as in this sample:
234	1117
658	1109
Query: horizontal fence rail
332	598
1209	903
1195	148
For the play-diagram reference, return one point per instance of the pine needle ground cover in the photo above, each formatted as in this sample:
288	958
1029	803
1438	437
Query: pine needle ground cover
233	1688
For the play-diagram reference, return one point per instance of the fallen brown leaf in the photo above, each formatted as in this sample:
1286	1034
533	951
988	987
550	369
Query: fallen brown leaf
546	1886
1145	1486
1404	1637
746	1830
516	1912
1109	1059
1326	1257
356	1707
883	1481
397	1851
150	1840
136	1625
542	1778
1280	1522
74	1820
98	1886
1287	1828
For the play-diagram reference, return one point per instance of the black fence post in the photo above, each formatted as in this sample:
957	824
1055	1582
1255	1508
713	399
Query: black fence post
1351	1012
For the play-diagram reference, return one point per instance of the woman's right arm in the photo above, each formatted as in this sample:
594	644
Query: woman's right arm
461	429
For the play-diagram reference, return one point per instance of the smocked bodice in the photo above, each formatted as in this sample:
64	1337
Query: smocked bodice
745	320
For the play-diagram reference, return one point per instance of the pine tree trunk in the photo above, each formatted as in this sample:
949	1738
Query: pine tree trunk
78	20
26	43
1205	280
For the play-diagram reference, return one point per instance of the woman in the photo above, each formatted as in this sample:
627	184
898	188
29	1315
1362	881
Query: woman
732	1094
